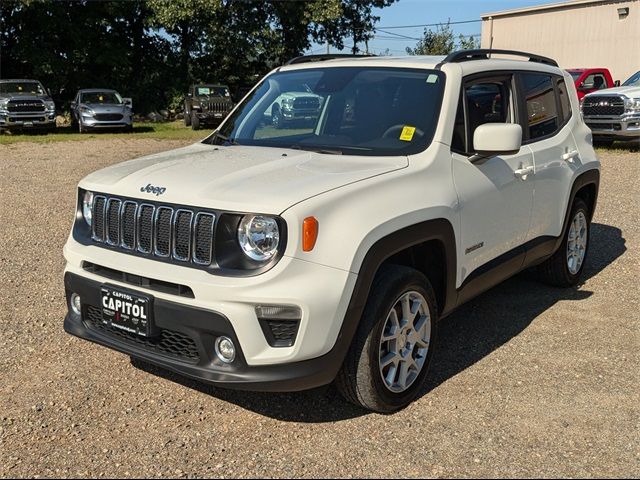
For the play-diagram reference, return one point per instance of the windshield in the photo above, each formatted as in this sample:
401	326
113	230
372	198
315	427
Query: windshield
212	90
29	88
575	75
351	110
633	81
111	98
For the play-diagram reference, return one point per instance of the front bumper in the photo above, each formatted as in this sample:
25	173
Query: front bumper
202	327
211	117
226	306
626	127
46	119
91	122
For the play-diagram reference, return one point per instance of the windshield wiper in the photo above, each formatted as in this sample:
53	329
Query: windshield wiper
224	138
316	149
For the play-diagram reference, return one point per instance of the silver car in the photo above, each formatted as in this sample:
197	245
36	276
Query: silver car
97	108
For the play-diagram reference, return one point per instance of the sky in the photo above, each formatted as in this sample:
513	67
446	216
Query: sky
419	12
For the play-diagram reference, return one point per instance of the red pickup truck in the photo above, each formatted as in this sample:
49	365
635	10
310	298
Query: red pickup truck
589	80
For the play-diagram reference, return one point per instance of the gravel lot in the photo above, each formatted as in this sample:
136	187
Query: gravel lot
527	381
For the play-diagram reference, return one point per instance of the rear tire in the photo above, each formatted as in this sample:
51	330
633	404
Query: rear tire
195	121
565	267
386	375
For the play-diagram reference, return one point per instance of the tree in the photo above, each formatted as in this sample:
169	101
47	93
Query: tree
441	42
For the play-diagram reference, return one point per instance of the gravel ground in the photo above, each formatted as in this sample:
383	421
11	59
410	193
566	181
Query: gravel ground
527	380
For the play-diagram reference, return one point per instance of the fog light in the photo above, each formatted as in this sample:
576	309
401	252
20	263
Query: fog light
76	304
225	349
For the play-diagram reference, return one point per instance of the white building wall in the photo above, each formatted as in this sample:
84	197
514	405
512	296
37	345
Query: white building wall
576	34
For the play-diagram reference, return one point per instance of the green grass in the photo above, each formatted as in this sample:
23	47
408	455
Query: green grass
160	131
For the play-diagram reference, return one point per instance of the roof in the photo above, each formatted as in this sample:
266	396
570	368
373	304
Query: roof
97	90
408	61
6	80
547	7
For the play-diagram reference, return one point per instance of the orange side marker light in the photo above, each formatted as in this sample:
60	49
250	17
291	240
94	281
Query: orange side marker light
309	233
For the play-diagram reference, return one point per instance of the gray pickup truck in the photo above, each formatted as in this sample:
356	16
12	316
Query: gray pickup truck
25	104
614	113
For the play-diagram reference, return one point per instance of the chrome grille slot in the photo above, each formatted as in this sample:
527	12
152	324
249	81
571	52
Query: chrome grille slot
113	221
182	235
177	234
98	214
203	238
128	222
162	231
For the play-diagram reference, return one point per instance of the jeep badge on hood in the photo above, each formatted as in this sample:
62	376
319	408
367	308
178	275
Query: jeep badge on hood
151	189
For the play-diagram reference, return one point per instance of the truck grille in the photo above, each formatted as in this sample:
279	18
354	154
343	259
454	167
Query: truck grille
601	105
311	103
108	117
162	231
25	106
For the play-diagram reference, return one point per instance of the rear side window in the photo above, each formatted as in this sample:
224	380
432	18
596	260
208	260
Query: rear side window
541	108
565	102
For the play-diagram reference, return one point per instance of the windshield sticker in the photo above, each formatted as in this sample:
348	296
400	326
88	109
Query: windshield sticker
101	98
432	78
407	133
19	88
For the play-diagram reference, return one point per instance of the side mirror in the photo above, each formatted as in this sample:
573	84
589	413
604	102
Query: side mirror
73	104
616	83
493	139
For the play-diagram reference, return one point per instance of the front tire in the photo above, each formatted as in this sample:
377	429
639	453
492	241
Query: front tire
565	267
387	363
187	117
195	121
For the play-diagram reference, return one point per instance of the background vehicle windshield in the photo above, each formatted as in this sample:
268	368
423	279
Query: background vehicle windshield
575	75
111	98
633	81
212	90
351	110
29	88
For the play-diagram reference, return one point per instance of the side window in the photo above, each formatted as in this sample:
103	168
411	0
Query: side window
483	101
565	102
595	81
541	108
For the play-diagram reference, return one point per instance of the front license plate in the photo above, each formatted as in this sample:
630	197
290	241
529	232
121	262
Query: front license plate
217	114
28	124
127	311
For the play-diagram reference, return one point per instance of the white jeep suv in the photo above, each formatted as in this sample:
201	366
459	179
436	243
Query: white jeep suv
286	258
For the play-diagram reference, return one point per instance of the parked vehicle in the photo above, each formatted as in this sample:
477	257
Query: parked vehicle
26	104
588	80
286	259
206	104
99	108
614	114
296	108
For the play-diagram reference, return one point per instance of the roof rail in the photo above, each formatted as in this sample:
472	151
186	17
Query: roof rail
323	57
485	53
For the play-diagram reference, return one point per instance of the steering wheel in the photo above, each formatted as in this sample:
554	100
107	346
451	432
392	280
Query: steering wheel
395	130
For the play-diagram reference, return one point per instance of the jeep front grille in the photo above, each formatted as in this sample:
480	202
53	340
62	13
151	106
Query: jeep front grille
603	105
161	231
218	107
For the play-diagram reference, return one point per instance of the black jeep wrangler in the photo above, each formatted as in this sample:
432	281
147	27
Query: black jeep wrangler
206	104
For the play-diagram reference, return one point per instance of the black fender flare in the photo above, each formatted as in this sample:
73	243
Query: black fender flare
438	229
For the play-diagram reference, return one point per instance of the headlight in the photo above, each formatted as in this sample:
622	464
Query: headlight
632	104
258	237
86	110
87	207
287	102
50	105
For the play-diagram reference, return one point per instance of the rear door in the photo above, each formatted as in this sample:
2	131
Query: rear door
546	119
495	199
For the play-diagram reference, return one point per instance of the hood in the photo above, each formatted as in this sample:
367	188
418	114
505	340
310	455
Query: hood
631	92
105	107
26	96
237	178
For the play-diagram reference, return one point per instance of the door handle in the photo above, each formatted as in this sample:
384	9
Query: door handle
569	156
522	173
